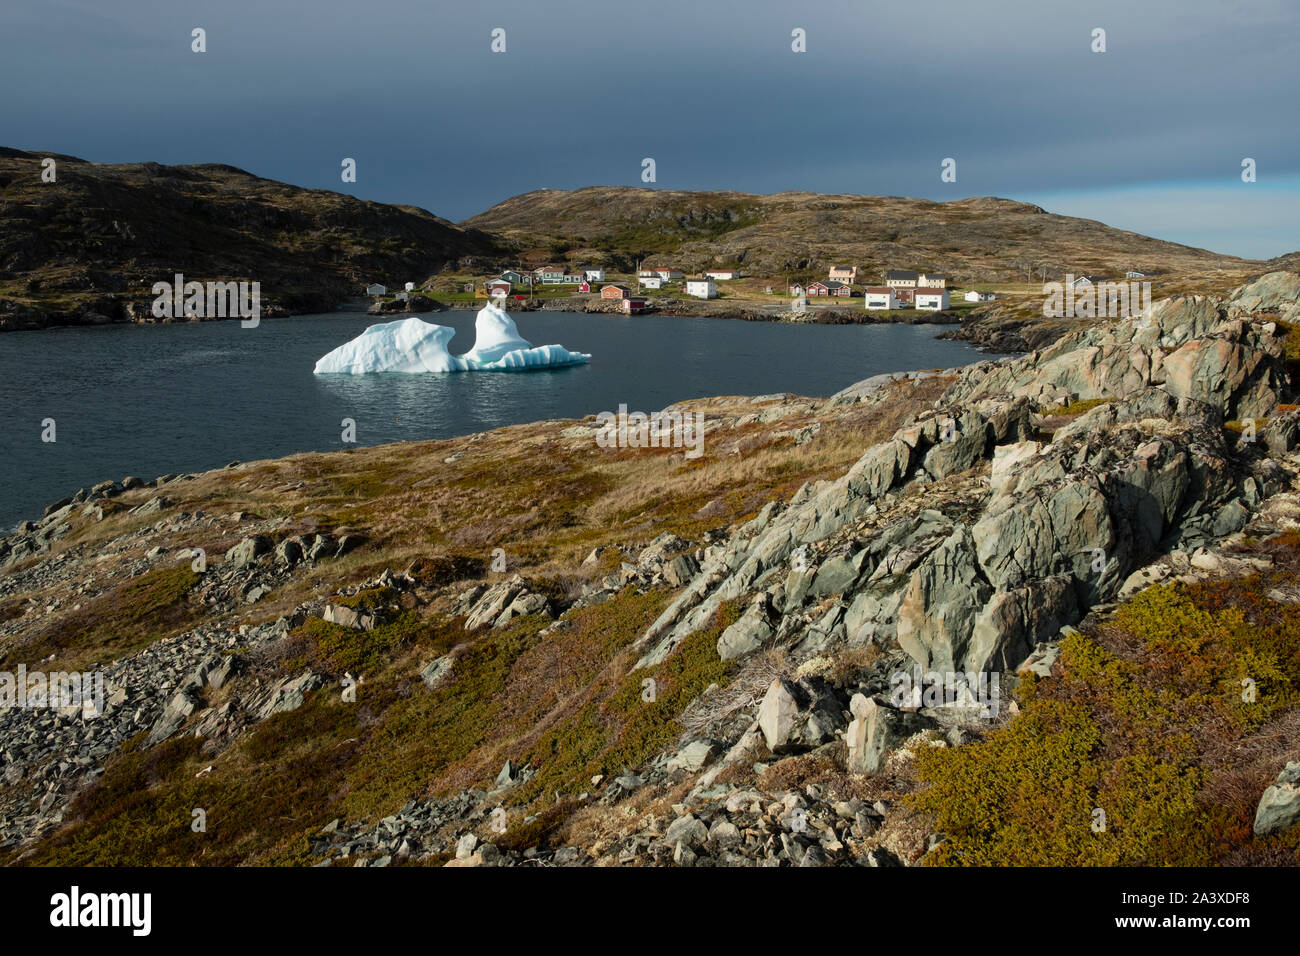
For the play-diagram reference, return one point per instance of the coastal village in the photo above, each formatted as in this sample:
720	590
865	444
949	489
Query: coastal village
637	291
667	289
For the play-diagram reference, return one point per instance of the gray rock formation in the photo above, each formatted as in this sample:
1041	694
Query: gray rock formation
1279	807
1018	536
799	715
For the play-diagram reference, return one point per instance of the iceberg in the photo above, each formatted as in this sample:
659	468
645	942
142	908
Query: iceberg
413	345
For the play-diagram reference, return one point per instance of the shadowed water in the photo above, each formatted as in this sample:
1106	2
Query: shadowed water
149	400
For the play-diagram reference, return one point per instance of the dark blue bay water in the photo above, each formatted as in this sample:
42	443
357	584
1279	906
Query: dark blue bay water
148	400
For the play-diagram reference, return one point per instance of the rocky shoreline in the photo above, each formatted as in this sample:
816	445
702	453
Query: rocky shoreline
117	311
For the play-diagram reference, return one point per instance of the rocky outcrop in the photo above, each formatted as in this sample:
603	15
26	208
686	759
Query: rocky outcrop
875	730
1187	345
799	715
966	539
498	605
1276	292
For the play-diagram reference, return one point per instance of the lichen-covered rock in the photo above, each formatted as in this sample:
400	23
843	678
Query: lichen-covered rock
747	634
1279	807
799	715
874	731
248	551
1275	292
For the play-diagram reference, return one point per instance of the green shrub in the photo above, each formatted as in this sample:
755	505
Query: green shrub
369	599
261	798
1028	796
1077	407
1140	737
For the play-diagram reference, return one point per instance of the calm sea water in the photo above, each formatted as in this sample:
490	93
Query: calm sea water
153	399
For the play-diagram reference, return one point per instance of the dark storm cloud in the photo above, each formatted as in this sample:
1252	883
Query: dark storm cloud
711	90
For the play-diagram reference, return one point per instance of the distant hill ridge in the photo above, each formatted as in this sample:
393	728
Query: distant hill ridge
89	246
978	239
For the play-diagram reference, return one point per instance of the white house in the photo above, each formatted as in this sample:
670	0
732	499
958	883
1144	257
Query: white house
881	297
722	274
846	274
974	296
702	288
900	279
551	275
376	289
931	280
932	299
669	273
410	287
651	282
593	274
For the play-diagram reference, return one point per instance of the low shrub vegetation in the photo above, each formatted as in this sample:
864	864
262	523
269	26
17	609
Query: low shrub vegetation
1134	754
132	615
1077	407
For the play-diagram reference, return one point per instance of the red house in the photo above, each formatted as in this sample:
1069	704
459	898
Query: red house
829	287
635	304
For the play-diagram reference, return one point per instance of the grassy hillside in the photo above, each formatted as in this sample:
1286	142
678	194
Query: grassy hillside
89	246
975	240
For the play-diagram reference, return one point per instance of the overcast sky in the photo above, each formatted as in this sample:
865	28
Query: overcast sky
1149	135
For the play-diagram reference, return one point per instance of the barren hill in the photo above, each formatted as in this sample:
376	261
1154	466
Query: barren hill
89	246
982	239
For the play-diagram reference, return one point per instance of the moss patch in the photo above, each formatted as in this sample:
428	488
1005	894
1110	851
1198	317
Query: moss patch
136	613
630	718
1077	407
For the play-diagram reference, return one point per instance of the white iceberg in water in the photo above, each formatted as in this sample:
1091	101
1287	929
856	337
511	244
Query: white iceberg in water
413	345
407	345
